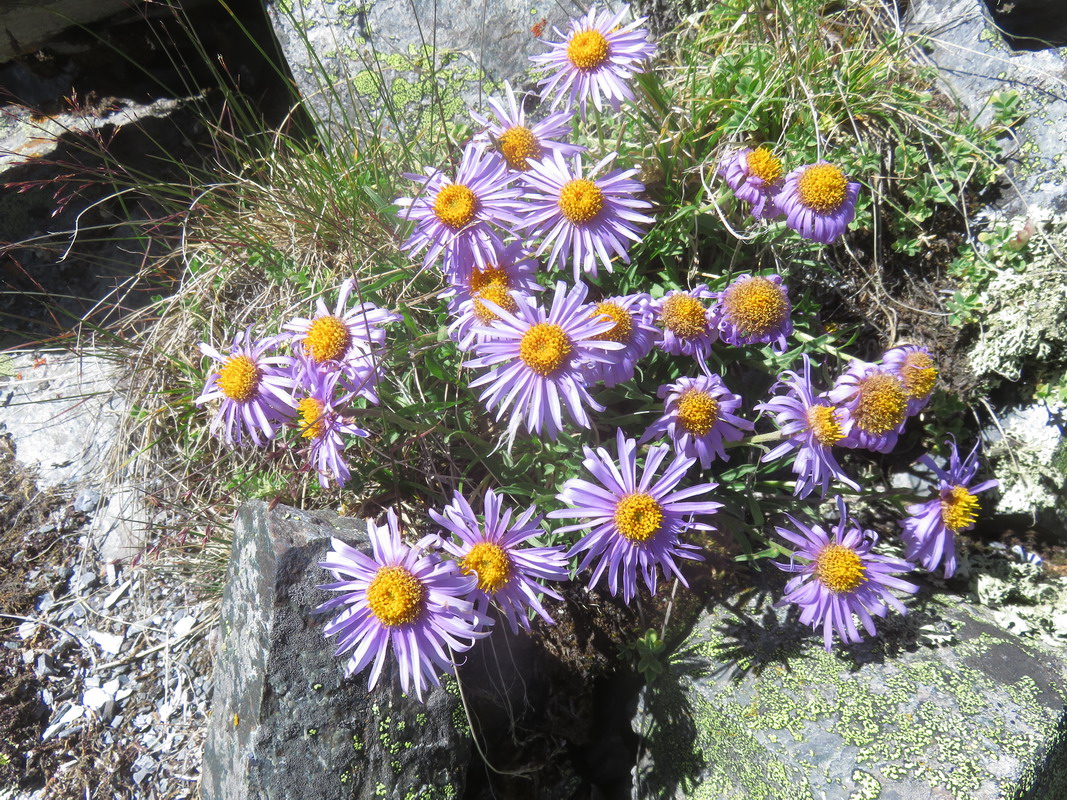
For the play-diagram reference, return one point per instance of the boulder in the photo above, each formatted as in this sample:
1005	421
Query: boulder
375	63
975	63
942	705
285	723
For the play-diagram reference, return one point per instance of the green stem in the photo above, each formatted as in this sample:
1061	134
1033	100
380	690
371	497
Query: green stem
760	438
824	346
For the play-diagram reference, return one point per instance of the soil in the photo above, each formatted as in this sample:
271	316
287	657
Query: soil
36	548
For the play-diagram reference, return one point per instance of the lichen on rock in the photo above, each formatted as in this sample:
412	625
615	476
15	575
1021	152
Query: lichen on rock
753	707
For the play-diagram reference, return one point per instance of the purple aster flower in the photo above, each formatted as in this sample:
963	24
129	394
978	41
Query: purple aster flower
811	428
636	521
818	201
520	141
755	176
447	213
508	574
596	60
756	309
917	369
633	329
255	389
582	217
930	532
873	405
536	357
840	577
698	416
400	599
346	340
690	325
322	422
509	271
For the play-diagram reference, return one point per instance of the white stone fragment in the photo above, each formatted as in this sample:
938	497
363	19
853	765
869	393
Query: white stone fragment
27	629
95	698
183	626
113	598
109	642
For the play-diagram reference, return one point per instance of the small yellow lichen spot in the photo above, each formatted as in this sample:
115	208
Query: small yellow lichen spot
480	278
588	50
490	563
839	568
684	316
239	378
698	411
623	319
580	201
764	165
455	205
755	305
495	293
959	509
518	144
638	517
919	374
823	424
328	339
544	347
882	404
311	421
395	596
822	188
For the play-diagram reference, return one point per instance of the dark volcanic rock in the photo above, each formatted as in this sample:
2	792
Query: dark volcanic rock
976	63
285	724
1030	24
943	705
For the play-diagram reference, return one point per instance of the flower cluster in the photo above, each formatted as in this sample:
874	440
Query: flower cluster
428	601
817	200
334	357
866	408
521	234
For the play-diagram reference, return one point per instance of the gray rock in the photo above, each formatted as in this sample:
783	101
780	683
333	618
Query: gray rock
752	707
360	64
975	62
285	723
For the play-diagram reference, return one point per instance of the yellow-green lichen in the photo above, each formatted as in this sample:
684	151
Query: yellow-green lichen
908	719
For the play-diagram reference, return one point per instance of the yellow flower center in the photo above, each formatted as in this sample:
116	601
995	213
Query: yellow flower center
755	306
519	144
638	517
455	205
481	278
580	201
490	563
311	422
959	509
395	596
882	404
698	411
624	322
328	339
544	347
919	374
764	165
839	568
239	378
684	316
822	188
822	422
494	293
587	50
